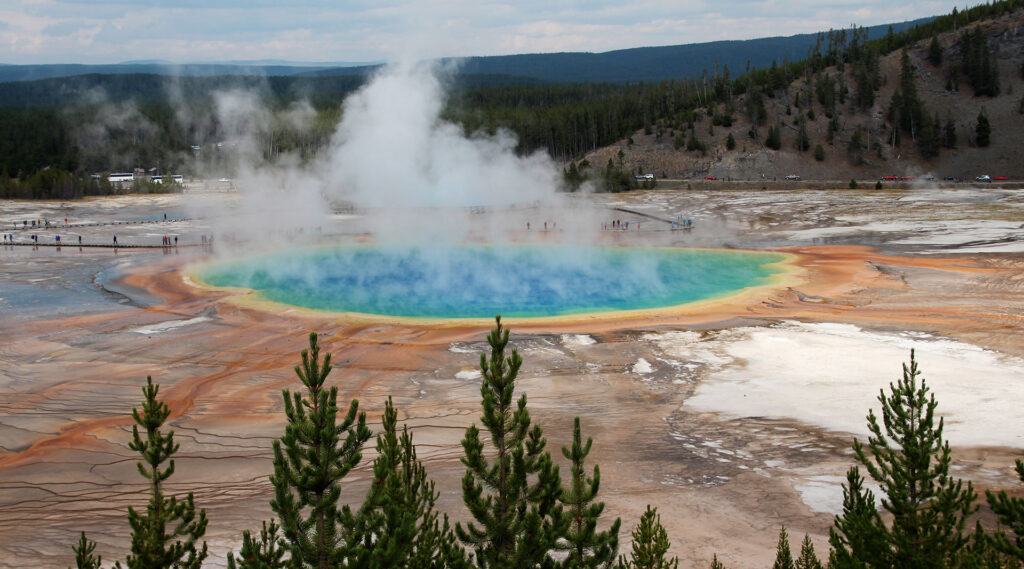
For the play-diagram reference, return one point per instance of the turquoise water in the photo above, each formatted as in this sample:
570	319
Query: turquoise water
481	281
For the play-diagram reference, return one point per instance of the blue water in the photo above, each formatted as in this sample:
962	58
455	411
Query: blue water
481	281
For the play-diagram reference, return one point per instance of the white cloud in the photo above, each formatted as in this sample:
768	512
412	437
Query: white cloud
52	31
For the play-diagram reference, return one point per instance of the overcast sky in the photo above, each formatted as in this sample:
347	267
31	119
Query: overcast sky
182	31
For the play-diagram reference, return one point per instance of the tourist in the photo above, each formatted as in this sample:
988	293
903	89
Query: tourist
175	240
115	240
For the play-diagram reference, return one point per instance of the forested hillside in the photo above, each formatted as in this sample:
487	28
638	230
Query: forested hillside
635	64
901	102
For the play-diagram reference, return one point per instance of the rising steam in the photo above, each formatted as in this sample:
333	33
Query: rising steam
410	175
392	148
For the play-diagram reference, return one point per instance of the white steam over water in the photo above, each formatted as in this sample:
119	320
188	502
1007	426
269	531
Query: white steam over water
412	176
393	149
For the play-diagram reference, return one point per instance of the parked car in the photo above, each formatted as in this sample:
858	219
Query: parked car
1000	178
792	177
983	178
928	178
890	178
710	177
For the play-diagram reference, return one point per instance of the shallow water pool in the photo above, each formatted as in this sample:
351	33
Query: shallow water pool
481	281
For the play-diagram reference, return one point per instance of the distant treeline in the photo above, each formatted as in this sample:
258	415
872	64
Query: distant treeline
124	121
57	184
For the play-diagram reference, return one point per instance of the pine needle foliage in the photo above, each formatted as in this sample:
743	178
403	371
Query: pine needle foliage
84	559
513	494
167	533
783	554
310	460
857	535
264	552
586	546
398	525
1010	511
910	461
715	563
808	558
650	545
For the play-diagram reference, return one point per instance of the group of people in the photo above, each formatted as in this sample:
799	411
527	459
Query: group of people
618	224
554	226
167	240
33	223
9	239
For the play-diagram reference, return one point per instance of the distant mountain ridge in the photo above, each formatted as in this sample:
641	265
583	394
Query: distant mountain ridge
684	61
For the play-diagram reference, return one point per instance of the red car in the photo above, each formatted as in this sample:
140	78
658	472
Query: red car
890	178
710	177
1000	178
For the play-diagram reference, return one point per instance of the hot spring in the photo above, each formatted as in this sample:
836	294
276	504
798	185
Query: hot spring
476	281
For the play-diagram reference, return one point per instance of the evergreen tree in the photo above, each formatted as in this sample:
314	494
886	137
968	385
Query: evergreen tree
167	533
803	141
858	536
519	518
84	558
715	563
983	131
265	552
1010	511
398	526
774	139
864	95
730	141
309	462
979	64
808	558
931	137
906	110
692	143
856	146
819	153
949	134
585	545
650	545
833	128
935	51
910	462
783	555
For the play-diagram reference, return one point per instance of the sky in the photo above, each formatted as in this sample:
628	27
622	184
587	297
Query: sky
191	31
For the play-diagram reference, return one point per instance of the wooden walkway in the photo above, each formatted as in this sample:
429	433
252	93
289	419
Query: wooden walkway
53	226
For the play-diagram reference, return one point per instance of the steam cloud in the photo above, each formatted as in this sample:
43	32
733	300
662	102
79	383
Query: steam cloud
392	148
412	176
